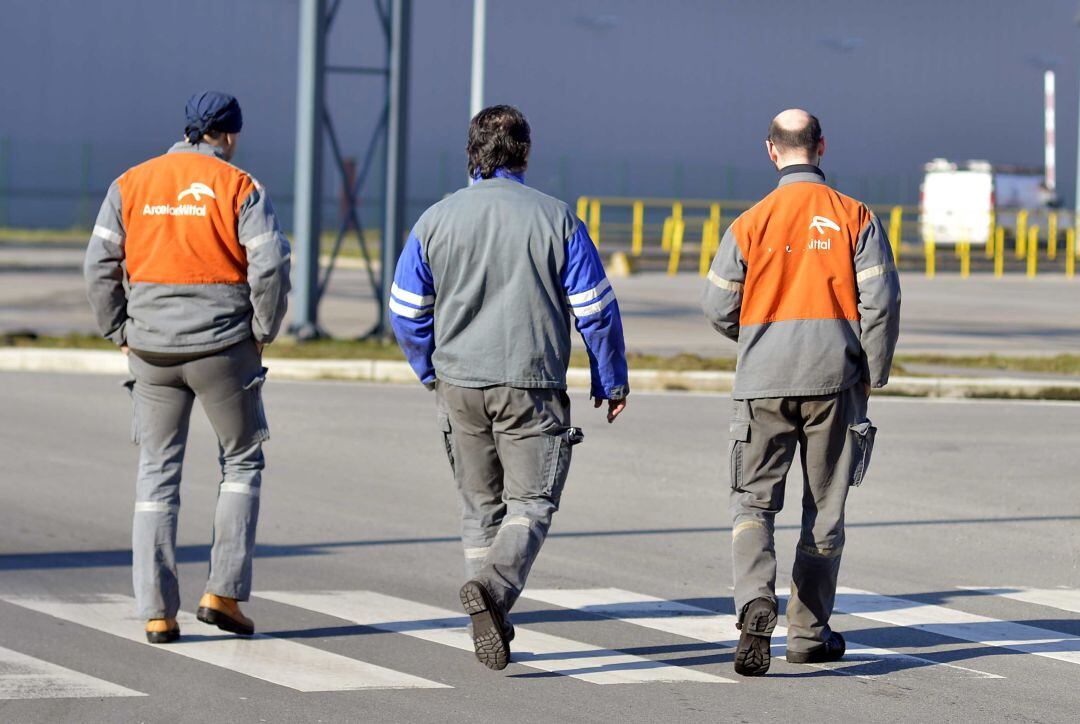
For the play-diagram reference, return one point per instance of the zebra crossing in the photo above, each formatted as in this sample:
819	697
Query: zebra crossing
304	668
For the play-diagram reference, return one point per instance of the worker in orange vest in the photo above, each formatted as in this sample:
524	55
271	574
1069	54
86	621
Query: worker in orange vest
187	272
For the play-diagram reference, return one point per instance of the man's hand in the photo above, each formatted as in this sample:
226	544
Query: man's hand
614	407
125	349
867	388
259	347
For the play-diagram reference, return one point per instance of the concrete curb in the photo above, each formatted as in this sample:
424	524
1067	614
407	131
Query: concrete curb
31	359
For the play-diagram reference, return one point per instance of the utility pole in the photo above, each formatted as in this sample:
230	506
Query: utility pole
479	30
307	220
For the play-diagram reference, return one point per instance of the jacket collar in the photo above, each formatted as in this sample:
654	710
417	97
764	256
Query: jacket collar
801	172
204	148
502	173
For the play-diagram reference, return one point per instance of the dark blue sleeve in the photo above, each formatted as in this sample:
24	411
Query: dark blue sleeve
596	311
412	299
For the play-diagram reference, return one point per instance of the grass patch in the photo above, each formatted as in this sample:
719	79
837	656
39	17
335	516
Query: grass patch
1063	364
1042	393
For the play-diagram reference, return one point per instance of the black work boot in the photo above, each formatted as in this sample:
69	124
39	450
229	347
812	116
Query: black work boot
753	654
832	650
489	630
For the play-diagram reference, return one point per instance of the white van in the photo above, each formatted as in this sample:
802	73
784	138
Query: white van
956	201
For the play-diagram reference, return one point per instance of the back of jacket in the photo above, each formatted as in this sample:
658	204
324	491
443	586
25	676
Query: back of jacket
805	282
206	264
497	250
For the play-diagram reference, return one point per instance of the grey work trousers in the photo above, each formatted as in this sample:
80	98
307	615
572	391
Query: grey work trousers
835	440
228	384
509	449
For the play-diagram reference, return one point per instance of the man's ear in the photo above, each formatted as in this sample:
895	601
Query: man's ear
821	147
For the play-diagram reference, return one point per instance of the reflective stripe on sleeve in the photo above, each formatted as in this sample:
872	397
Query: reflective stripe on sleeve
727	284
874	271
108	235
414	299
588	296
256	242
590	309
409	312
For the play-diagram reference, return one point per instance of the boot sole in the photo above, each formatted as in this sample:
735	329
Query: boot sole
817	656
223	622
489	643
754	653
162	637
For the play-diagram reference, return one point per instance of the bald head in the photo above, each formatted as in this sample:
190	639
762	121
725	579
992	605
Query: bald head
795	137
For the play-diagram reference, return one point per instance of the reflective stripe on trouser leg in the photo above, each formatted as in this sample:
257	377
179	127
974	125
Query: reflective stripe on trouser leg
235	520
474	560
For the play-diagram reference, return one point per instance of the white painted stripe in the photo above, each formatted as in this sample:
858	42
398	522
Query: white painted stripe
702	624
959	624
1066	599
24	677
278	661
591	309
727	284
257	241
108	234
874	271
401	310
588	296
414	299
531	648
241	488
156	507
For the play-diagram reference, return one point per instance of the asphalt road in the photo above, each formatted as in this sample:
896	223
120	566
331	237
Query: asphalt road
42	290
630	615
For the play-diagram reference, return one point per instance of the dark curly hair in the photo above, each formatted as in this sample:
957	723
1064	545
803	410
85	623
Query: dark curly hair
499	137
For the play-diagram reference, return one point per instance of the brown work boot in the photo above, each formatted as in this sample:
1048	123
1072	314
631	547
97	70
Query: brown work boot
162	630
225	614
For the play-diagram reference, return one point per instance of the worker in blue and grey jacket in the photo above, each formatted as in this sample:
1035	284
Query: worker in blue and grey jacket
481	305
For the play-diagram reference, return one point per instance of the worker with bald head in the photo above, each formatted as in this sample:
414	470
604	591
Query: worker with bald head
806	284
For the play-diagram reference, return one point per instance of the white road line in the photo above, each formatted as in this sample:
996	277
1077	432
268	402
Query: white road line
959	625
531	648
24	677
1066	599
278	661
701	624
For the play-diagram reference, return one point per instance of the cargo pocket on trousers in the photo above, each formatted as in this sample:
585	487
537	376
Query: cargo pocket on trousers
129	385
738	436
448	438
862	438
253	390
557	466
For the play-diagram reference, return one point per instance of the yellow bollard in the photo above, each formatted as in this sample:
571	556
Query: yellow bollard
594	221
1032	252
678	228
1021	233
1070	252
706	247
990	236
928	248
999	252
583	209
638	230
965	259
1051	236
896	228
665	237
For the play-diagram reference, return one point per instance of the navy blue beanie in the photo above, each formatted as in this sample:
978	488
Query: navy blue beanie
212	111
